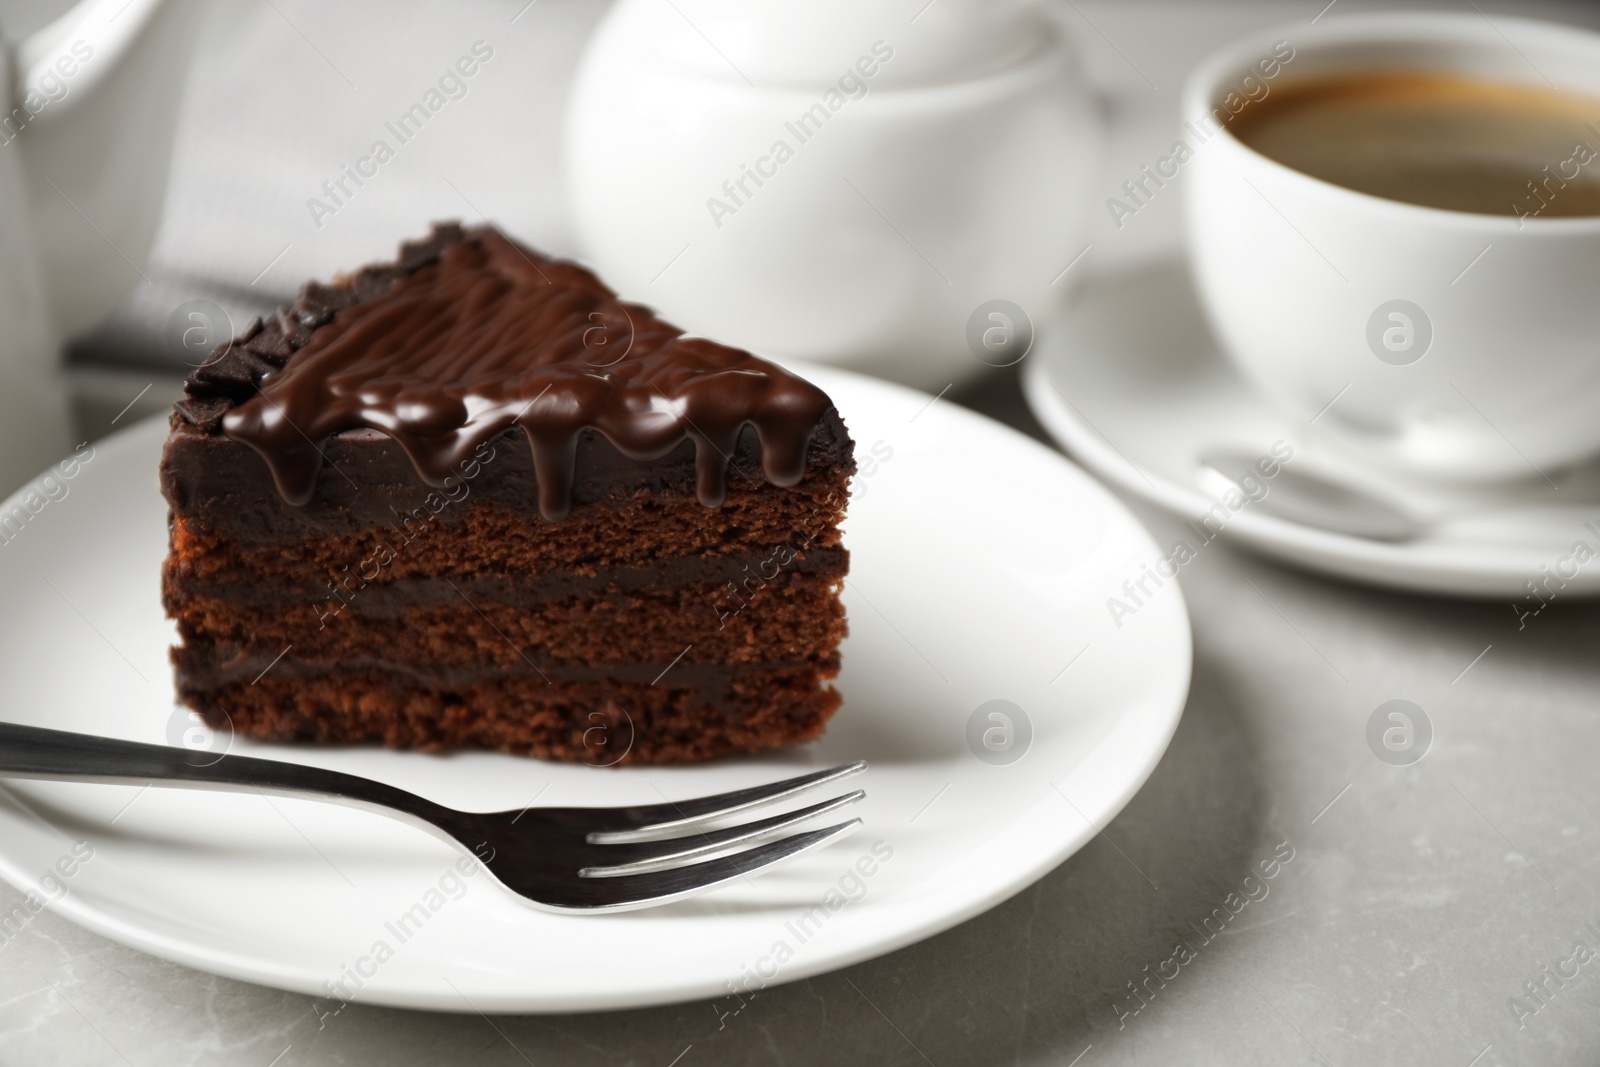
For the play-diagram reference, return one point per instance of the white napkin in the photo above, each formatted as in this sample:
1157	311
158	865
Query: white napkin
295	92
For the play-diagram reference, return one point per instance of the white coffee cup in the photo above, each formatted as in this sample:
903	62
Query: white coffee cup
1455	346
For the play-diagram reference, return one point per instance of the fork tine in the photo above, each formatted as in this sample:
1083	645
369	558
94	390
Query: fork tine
651	821
660	887
644	857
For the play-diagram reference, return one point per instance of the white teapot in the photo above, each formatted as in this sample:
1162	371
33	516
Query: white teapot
85	142
850	181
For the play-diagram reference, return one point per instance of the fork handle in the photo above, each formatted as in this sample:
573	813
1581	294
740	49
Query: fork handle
34	752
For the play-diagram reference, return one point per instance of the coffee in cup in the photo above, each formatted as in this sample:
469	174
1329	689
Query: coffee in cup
1438	140
1398	240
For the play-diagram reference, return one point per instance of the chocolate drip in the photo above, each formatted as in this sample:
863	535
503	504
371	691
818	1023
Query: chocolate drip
473	335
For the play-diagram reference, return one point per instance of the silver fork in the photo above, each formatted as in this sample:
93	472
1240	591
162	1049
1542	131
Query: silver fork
560	859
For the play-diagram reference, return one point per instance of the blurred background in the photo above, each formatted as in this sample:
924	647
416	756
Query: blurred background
286	93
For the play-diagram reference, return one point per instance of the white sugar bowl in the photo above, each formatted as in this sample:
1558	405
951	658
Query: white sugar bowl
858	182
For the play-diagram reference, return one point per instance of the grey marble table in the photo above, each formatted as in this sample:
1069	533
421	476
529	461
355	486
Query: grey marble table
1422	914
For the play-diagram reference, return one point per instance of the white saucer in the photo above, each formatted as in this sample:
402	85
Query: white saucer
1133	386
981	564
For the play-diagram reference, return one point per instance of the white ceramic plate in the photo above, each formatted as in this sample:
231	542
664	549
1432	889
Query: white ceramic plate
981	564
1131	383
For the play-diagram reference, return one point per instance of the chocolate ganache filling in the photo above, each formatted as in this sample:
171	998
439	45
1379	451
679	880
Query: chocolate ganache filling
491	336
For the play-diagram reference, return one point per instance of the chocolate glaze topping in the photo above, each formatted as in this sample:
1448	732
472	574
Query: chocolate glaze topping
471	335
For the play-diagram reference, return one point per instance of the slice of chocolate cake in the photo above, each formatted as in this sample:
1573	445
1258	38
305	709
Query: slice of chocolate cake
471	498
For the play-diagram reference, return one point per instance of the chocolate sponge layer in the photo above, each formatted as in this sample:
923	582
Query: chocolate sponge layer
604	721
